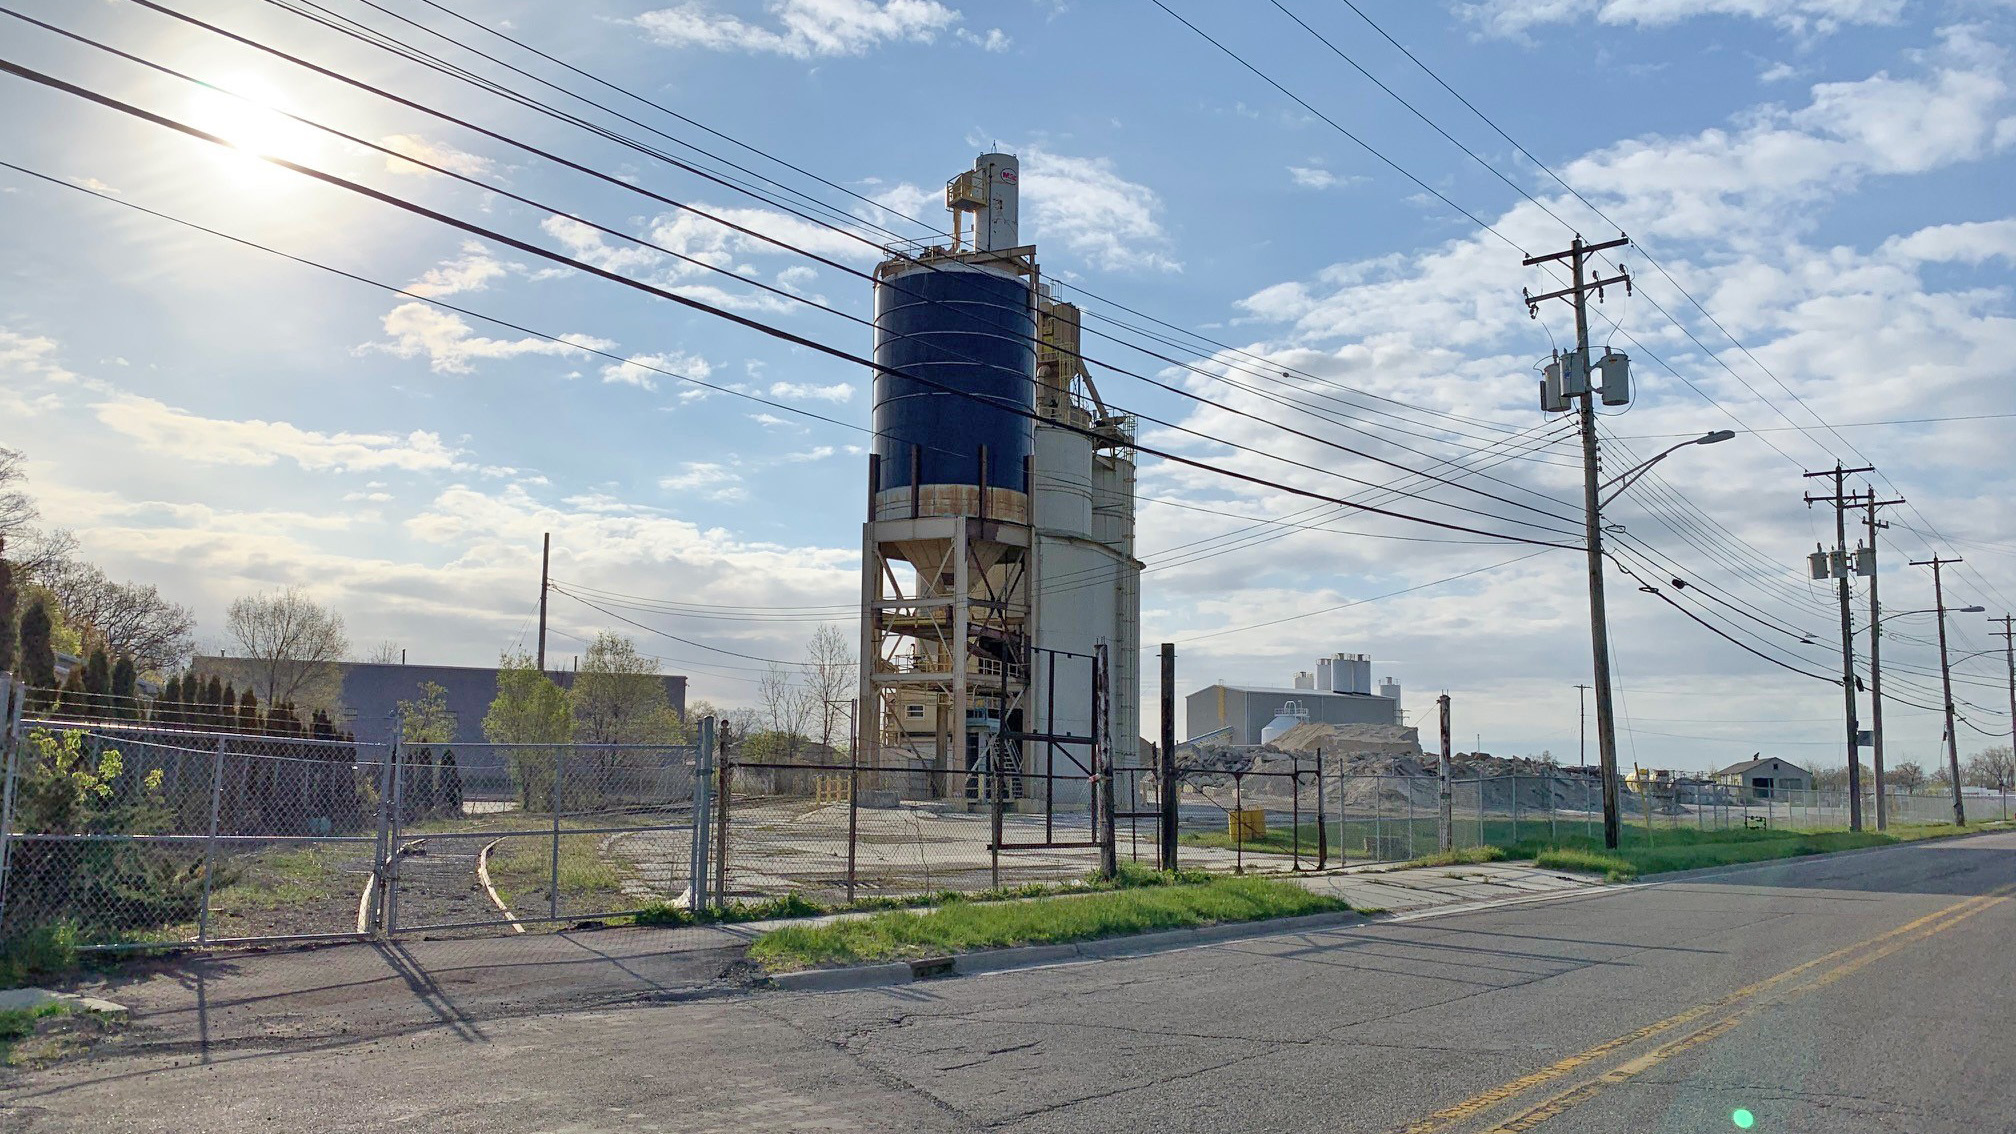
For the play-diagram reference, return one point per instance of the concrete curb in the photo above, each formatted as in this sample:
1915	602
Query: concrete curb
1030	956
483	876
37	997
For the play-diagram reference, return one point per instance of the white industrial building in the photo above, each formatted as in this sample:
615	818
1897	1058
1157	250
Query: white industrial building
1340	691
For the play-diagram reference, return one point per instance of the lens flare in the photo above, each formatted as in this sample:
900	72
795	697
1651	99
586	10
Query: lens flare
1743	1119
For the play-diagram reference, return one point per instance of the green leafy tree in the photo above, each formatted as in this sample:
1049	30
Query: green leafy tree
619	697
10	612
68	787
532	716
427	719
98	678
38	652
125	689
248	714
167	707
215	696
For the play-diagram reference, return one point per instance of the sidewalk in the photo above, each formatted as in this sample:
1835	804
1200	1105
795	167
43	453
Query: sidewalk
297	999
1403	889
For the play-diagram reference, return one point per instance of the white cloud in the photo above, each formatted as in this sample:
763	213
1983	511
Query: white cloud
838	392
995	40
165	429
1101	216
643	370
1511	17
434	153
801	29
706	479
816	453
1309	177
1969	243
451	347
471	271
93	184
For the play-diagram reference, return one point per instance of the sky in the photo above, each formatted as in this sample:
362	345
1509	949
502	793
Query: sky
1328	239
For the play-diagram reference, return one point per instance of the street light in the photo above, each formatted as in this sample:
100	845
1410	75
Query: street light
1594	500
1625	479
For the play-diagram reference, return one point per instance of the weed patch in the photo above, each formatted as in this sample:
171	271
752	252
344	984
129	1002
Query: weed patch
962	926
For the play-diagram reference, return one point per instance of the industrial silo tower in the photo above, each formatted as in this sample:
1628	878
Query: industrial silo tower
999	589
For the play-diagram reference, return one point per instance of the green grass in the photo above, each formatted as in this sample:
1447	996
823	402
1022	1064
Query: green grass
275	879
964	925
19	1023
522	869
1461	856
1130	876
37	954
1683	849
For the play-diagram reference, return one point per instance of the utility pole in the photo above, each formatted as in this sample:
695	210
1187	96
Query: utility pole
1946	684
1445	814
1582	727
1165	774
1841	568
2009	647
1569	380
1876	660
545	560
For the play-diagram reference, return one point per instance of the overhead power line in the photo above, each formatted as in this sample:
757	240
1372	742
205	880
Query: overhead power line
1178	391
779	333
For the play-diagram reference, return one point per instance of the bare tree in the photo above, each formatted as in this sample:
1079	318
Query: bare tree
128	618
787	707
17	510
829	675
1909	775
1990	768
386	652
291	645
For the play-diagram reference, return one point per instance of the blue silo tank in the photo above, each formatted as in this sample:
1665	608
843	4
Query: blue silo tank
964	328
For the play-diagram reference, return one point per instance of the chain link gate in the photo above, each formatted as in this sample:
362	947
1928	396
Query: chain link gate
134	836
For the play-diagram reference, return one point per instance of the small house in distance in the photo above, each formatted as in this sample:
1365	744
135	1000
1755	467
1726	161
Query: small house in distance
1765	777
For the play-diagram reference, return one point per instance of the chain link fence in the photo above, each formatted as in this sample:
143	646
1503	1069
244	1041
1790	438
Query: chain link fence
133	835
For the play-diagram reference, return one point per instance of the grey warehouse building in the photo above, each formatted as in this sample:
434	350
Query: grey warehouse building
1339	693
373	690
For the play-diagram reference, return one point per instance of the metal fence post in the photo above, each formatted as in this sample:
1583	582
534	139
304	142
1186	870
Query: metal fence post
10	749
1515	807
1411	852
1322	819
703	791
382	869
724	770
853	792
1295	808
553	887
398	826
1378	817
210	842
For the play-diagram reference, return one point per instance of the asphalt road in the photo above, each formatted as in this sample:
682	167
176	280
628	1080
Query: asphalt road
1864	992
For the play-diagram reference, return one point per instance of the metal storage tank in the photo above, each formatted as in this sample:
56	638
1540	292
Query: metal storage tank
965	328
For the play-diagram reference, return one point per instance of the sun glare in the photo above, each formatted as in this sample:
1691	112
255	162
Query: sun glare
253	129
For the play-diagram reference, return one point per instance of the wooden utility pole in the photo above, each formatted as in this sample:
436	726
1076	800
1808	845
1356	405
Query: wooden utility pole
1582	726
1166	771
1876	659
545	562
2008	637
1577	294
1843	569
1445	814
1946	686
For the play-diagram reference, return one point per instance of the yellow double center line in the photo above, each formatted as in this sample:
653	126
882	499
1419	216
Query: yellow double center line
1747	1000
